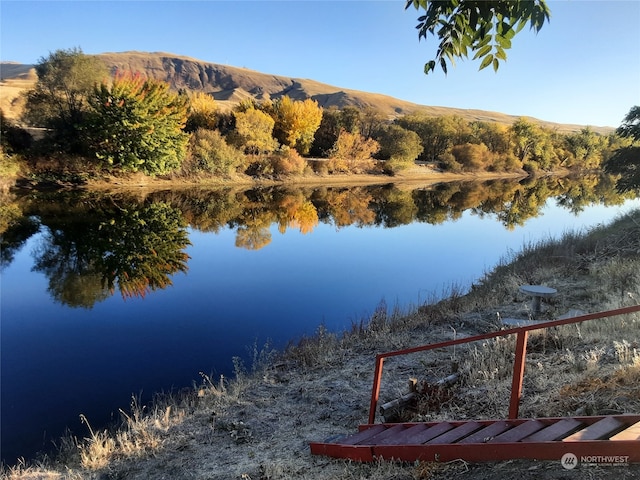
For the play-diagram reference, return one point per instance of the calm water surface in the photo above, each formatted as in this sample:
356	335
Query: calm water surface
78	340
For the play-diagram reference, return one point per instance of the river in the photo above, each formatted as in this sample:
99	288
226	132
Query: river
109	296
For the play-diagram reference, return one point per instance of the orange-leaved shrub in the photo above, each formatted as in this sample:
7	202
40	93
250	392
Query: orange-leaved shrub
352	153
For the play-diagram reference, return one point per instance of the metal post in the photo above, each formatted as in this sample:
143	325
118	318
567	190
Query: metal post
375	391
518	373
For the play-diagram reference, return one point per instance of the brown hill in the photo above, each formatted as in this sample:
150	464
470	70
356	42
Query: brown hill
15	78
229	85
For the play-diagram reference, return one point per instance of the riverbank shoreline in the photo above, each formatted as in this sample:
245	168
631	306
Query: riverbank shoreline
259	424
419	174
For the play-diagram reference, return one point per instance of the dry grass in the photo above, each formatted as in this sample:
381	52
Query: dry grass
258	425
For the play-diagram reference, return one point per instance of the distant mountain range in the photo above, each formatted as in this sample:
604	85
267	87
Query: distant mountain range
229	85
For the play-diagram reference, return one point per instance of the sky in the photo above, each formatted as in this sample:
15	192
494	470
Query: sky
582	68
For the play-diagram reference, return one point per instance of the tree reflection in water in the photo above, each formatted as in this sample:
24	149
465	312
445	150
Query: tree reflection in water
133	249
96	244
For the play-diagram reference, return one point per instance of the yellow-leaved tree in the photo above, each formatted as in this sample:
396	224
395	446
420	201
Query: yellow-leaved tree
202	113
296	122
253	132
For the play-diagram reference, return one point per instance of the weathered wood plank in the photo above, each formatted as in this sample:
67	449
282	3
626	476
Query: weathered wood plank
631	433
555	431
361	436
519	432
486	434
429	433
456	434
379	437
596	431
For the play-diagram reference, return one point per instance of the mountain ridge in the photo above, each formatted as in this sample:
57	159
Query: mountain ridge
230	85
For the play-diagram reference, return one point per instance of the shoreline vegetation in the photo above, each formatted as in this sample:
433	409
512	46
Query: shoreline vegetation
419	174
84	123
259	424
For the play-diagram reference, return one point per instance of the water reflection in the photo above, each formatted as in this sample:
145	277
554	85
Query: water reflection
78	248
88	254
96	244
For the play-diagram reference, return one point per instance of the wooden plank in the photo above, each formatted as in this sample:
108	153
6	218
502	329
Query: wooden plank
378	437
631	433
519	432
489	452
485	434
555	431
456	434
361	436
403	437
429	433
596	431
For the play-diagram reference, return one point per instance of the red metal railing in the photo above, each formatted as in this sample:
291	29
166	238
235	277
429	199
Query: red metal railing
519	362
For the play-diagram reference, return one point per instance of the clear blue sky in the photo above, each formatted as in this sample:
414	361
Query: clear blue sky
582	68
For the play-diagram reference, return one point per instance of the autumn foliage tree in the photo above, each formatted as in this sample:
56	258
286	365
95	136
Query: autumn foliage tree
296	122
137	125
253	132
202	112
352	153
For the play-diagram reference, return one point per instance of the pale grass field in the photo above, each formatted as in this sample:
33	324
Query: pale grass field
259	425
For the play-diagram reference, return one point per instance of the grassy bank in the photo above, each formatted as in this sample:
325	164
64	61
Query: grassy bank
258	425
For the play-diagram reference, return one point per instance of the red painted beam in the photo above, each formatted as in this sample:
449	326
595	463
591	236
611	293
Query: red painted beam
518	373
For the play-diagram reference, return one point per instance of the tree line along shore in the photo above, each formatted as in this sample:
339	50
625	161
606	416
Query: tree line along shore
91	128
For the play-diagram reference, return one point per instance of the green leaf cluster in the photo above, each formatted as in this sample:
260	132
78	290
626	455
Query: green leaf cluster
484	28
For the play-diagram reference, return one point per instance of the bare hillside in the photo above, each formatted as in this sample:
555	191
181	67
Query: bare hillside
229	85
15	78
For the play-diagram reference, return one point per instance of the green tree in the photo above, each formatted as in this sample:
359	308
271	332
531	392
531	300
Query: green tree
137	124
209	153
398	146
586	147
437	134
333	122
625	161
327	133
58	100
482	28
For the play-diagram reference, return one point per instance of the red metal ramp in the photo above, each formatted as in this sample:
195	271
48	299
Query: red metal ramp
608	439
